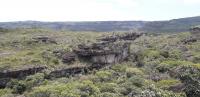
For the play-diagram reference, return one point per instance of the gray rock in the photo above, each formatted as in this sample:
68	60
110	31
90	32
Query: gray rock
22	72
44	39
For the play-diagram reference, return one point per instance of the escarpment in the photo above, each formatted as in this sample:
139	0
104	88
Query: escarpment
108	50
7	75
21	72
104	53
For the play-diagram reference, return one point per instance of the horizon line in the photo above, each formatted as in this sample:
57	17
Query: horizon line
96	20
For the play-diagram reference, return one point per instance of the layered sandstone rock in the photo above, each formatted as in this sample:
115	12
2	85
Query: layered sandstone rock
22	72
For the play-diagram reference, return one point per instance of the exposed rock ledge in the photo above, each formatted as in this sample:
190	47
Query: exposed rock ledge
99	54
22	72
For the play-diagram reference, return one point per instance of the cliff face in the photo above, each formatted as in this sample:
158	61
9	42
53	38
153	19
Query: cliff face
103	54
109	50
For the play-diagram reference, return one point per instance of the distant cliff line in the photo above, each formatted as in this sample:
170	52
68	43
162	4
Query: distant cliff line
175	25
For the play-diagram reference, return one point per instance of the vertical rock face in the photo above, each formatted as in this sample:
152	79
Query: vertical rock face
21	72
109	50
102	53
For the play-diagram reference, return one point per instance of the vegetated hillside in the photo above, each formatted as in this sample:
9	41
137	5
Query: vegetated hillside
176	25
165	65
104	26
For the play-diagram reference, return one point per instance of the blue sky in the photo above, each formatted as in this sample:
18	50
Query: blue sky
97	10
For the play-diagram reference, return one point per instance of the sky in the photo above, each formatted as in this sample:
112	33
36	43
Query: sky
97	10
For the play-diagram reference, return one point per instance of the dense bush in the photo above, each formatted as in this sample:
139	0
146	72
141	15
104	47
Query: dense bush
134	71
103	76
164	84
192	88
34	80
3	92
157	63
169	64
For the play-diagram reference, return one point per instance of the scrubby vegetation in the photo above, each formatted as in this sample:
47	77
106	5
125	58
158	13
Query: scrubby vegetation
159	66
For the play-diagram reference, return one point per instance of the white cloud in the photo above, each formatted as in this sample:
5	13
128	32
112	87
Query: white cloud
67	10
94	10
191	1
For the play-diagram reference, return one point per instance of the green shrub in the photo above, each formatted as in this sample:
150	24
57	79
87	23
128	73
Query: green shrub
167	65
71	89
108	94
132	85
17	86
192	84
108	87
164	54
88	88
104	75
34	80
5	91
167	83
133	71
119	68
137	81
175	54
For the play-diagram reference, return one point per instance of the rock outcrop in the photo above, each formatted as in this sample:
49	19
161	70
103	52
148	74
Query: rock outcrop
68	57
195	30
100	54
66	72
126	36
112	49
22	72
103	53
7	75
195	35
44	39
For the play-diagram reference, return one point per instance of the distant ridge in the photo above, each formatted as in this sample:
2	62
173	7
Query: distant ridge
175	25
